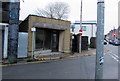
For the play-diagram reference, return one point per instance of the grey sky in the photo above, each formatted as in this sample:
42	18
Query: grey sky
89	10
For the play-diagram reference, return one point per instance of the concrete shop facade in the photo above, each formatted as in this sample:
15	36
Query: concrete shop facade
46	34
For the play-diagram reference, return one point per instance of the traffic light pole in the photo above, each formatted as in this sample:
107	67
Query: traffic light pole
13	30
100	40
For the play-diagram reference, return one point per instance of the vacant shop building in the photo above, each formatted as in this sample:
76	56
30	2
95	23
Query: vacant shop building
46	34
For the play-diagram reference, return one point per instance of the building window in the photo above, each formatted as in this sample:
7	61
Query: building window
42	37
83	28
72	27
47	39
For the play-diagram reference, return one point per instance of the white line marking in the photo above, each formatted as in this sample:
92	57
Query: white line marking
115	58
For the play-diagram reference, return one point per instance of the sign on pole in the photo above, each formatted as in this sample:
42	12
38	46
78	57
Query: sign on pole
80	32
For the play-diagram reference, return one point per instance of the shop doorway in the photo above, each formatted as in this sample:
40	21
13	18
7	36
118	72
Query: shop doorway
55	41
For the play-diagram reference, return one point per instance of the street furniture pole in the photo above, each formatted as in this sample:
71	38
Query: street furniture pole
100	40
13	30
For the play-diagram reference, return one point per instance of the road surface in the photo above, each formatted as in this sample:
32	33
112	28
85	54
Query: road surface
82	67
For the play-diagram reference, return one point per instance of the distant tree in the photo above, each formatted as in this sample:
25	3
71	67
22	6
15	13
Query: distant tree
57	10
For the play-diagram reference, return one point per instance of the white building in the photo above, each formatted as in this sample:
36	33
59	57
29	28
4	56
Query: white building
89	28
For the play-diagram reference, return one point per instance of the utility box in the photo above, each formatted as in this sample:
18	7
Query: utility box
75	43
93	42
84	43
22	45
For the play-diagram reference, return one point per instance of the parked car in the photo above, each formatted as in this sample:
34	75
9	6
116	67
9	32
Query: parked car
116	42
110	42
105	42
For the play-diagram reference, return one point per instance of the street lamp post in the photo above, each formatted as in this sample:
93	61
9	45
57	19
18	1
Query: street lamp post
33	41
13	29
80	27
100	40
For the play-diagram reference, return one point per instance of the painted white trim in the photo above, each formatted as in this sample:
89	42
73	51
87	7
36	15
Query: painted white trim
4	24
5	42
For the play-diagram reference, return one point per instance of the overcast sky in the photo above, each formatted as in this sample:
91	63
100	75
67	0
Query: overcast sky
89	10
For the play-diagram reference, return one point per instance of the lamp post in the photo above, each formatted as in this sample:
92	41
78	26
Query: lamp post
13	29
80	27
33	41
100	40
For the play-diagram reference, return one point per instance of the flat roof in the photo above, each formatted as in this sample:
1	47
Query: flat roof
86	22
47	18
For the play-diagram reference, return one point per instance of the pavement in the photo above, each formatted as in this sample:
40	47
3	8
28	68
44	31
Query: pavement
44	59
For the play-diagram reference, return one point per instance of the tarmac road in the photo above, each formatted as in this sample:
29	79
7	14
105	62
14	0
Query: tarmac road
81	67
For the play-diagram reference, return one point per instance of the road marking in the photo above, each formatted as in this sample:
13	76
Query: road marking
115	57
